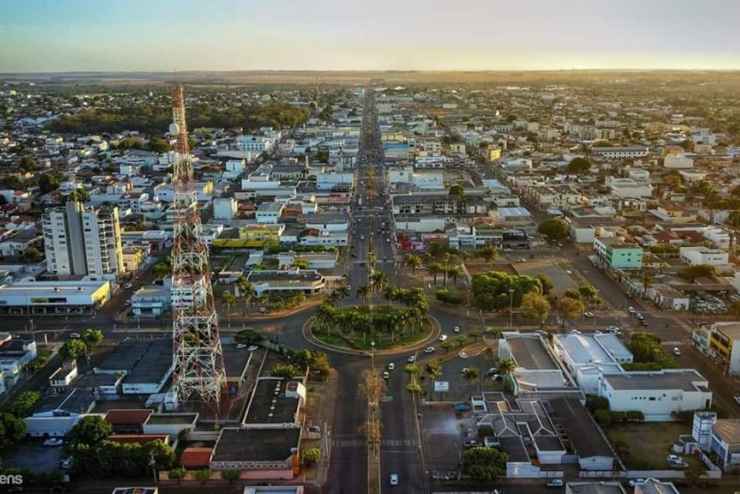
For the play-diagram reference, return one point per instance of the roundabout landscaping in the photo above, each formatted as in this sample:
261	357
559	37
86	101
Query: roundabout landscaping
351	343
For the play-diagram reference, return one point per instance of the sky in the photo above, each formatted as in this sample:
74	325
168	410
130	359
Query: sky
169	35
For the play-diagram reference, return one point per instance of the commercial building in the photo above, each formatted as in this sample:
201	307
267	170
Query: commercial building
58	413
83	241
696	256
145	366
617	254
724	342
614	153
258	453
306	281
53	298
659	394
726	443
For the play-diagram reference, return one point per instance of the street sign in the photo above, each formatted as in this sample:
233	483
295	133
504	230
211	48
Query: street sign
441	386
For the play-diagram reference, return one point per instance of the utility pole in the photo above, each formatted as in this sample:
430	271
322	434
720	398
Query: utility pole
198	358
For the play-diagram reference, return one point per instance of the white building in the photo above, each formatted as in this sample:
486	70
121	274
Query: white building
224	208
612	153
268	213
422	179
53	297
629	188
678	161
329	180
696	256
657	394
255	144
83	241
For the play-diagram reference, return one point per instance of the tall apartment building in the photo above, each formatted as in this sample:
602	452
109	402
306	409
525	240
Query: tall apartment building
83	241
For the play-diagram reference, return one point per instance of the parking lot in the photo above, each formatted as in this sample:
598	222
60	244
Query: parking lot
461	388
32	455
443	441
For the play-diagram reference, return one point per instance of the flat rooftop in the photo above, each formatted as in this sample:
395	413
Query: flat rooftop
596	488
530	353
269	405
683	379
579	427
258	445
143	361
171	418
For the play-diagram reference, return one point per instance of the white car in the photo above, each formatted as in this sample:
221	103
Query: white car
391	366
588	315
443	338
74	335
676	351
429	349
411	359
456	329
462	355
53	442
252	348
241	346
394	479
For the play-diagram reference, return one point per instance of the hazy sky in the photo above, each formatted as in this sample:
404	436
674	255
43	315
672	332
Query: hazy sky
165	35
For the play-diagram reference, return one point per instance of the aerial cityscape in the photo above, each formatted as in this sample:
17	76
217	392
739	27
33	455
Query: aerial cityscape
266	249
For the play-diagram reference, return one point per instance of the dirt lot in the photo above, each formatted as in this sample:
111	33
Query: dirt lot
645	446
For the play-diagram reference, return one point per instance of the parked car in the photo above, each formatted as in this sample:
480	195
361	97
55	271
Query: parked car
386	375
555	483
53	442
462	407
631	309
640	317
676	351
737	399
588	315
391	366
634	482
241	346
411	359
463	355
394	479
74	335
456	329
429	349
443	338
470	443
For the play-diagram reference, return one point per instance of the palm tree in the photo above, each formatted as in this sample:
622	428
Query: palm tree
362	293
246	291
454	272
435	269
413	262
506	366
229	300
378	280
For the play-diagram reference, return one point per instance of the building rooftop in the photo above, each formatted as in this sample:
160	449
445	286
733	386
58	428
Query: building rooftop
529	352
126	417
728	430
269	405
683	379
256	445
171	418
75	401
580	429
596	488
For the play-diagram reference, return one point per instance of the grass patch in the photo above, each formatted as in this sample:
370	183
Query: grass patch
645	446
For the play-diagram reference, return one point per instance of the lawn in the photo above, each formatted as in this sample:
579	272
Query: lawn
645	446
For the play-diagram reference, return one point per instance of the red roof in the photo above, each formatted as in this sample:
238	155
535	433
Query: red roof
127	417
195	457
139	438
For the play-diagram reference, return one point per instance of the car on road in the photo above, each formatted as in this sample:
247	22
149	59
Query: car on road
456	329
634	482
462	407
443	337
676	351
631	310
394	479
613	330
555	483
252	348
462	354
386	375
74	335
53	442
66	463
588	315
391	366
429	349
241	346
639	317
411	359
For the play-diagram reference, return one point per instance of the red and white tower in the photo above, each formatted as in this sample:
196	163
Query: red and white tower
198	359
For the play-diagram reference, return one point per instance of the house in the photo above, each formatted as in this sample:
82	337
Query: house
269	212
127	421
169	423
654	486
196	458
63	376
614	153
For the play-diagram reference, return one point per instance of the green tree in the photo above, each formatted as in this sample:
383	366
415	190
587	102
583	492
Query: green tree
158	145
287	371
320	363
12	430
692	273
554	229
24	403
412	262
32	255
311	456
162	268
536	306
484	464
249	337
177	473
48	183
471	374
73	349
506	366
91	431
579	166
545	283
496	290
231	475
571	308
487	252
92	337
587	292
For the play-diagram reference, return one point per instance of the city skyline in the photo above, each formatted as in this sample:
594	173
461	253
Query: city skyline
41	36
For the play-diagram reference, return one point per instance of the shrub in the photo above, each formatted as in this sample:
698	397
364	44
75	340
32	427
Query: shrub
231	475
202	475
594	402
603	417
311	456
452	297
177	473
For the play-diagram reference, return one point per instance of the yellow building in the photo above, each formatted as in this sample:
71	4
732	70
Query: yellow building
725	342
132	259
250	236
494	153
